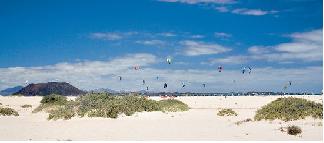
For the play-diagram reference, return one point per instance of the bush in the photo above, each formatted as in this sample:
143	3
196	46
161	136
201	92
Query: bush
54	99
105	105
226	112
294	130
173	105
288	109
51	102
66	112
26	106
91	102
8	112
111	110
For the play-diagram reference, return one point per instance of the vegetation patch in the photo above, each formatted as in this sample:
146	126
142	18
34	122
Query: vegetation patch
291	130
105	105
243	121
26	106
65	112
294	130
173	105
288	109
8	112
226	112
51	102
54	99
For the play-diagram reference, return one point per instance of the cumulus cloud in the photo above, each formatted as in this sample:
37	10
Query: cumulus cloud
106	36
306	46
197	36
112	36
222	9
103	74
253	12
228	60
195	48
201	1
259	50
78	73
311	36
151	42
167	34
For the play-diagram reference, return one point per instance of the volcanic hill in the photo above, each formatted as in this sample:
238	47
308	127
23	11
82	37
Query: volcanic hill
43	89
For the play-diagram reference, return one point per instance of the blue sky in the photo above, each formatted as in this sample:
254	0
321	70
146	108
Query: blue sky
44	40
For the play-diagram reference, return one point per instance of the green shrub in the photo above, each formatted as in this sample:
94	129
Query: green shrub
91	102
173	105
288	109
26	106
66	111
139	103
104	105
51	102
226	112
111	110
8	112
54	99
294	130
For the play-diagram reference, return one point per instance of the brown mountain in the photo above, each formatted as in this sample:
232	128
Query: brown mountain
42	89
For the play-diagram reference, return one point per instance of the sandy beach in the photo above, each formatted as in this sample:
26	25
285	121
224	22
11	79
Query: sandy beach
199	123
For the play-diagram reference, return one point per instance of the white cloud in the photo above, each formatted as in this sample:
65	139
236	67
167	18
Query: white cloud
228	60
197	36
195	48
76	72
151	42
222	35
311	36
259	50
106	36
222	9
305	46
127	35
201	1
167	34
100	74
253	12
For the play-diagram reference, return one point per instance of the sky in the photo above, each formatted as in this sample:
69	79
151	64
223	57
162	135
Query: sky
91	43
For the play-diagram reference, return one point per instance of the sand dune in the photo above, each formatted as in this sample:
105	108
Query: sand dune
199	123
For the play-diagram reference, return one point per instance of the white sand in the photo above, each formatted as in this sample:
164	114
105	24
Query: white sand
199	123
